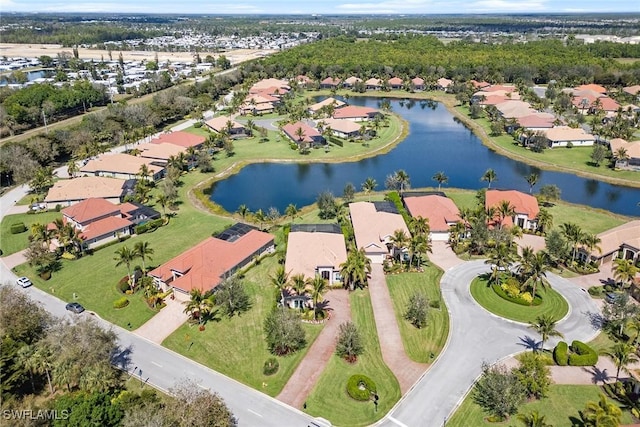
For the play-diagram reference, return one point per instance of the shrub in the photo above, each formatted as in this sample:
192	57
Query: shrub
519	300
197	125
560	354
435	304
583	355
123	284
349	344
596	291
361	387
121	302
18	228
417	310
271	366
67	255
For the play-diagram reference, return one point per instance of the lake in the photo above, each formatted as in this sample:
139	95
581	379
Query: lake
436	142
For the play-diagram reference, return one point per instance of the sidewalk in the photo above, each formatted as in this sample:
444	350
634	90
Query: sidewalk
406	370
306	375
164	323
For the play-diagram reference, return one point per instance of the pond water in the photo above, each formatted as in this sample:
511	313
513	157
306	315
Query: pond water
31	75
436	142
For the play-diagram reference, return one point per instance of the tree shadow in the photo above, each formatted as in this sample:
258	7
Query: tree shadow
121	357
596	319
529	343
213	316
576	422
597	375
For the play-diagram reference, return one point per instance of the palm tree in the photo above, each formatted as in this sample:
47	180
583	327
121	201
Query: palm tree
72	168
418	246
533	419
534	269
544	220
591	242
125	256
419	225
299	283
198	307
143	251
368	186
621	156
403	179
574	234
622	354
41	233
319	285
624	271
299	133
532	179
601	414
356	268
489	176
291	211
500	258
545	325
163	201
260	217
144	173
243	210
280	280
400	241
440	178
505	210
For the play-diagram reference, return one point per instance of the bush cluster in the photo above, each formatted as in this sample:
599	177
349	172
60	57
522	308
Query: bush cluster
18	228
149	226
578	354
518	300
271	366
596	291
121	302
561	354
123	284
360	387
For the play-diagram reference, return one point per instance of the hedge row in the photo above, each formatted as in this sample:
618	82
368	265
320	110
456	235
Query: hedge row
502	294
561	354
354	390
18	228
149	226
581	354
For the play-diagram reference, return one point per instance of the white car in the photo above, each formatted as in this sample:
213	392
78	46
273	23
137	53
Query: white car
24	282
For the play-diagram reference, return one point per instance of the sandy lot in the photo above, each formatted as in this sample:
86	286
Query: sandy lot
36	50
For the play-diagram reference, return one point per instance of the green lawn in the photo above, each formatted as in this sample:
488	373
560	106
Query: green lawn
329	397
12	243
236	346
573	160
421	345
589	219
93	278
602	343
562	404
552	303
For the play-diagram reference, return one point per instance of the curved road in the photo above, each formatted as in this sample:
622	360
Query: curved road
477	336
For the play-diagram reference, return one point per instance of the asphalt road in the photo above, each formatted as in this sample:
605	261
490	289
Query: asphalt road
477	336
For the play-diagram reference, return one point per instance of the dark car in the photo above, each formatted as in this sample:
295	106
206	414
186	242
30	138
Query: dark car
75	307
612	297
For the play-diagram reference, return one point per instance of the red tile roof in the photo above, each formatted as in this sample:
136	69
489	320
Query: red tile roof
522	202
538	120
593	87
204	265
290	130
354	111
105	226
330	81
180	138
89	209
395	81
439	210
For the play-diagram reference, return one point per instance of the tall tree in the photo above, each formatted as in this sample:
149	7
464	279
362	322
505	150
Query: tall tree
574	235
532	180
489	176
348	193
533	270
143	250
368	186
440	178
280	281
624	271
291	211
125	256
623	354
243	210
356	268
318	285
546	326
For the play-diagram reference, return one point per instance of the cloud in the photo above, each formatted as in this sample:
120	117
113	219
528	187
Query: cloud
389	6
508	6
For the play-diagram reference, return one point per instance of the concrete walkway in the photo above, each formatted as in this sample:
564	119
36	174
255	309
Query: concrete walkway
406	370
306	375
164	323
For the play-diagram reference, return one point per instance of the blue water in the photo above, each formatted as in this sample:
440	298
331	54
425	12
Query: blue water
436	142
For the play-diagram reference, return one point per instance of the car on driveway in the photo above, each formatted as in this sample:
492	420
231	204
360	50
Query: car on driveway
24	282
75	307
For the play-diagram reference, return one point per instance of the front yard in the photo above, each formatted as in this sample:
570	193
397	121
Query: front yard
12	243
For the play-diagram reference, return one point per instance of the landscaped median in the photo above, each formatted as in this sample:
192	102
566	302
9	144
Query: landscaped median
552	304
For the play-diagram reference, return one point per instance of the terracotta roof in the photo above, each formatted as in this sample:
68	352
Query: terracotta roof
632	90
310	133
493	99
220	123
395	81
565	133
84	188
119	163
303	79
372	228
160	151
479	85
633	148
522	202
330	81
373	82
329	101
204	265
306	251
90	209
353	111
180	138
593	87
613	238
417	81
537	120
513	109
266	84
340	125
444	82
260	98
440	211
104	226
501	88
352	80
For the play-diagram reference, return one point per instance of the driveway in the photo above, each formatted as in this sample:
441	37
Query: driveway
14	260
306	375
476	336
443	256
164	323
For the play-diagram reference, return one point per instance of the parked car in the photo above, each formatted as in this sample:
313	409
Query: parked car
75	307
24	282
612	297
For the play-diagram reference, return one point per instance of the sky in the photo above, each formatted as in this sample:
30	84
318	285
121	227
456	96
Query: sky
326	7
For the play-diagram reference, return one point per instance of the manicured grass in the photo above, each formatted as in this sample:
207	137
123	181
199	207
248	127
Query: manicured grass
236	347
559	408
93	278
329	398
421	345
552	303
463	198
576	159
12	243
590	220
602	343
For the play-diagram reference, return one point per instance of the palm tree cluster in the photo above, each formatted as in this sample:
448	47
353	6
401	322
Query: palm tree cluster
576	238
356	269
300	285
126	256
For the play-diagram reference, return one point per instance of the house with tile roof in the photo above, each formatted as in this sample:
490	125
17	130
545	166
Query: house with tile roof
561	136
444	84
592	87
160	153
351	81
537	121
395	83
258	104
207	264
316	251
355	113
301	133
98	221
342	128
632	150
373	84
525	206
67	192
329	83
318	107
440	210
270	86
225	123
417	83
373	226
122	166
632	90
181	139
621	242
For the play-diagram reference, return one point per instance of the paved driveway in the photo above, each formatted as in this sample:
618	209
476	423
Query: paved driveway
163	324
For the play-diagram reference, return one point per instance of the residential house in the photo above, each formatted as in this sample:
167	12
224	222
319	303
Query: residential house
226	124
351	82
417	83
373	84
98	220
561	136
374	224
479	85
355	113
342	128
633	90
258	104
444	84
525	206
138	213
395	83
592	87
181	139
513	109
122	166
330	83
316	250
205	265
440	210
66	192
271	87
303	81
160	153
302	133
536	122
633	153
621	242
318	107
